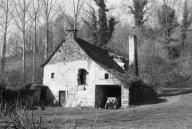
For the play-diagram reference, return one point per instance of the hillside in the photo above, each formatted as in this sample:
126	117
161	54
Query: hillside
14	70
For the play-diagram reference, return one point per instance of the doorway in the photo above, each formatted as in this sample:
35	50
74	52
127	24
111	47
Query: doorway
62	98
102	92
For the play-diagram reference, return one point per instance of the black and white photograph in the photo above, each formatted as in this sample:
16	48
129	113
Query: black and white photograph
95	64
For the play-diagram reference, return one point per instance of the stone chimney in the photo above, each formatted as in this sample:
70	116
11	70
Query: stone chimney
133	57
72	33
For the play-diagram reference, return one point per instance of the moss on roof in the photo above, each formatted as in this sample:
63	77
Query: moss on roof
99	55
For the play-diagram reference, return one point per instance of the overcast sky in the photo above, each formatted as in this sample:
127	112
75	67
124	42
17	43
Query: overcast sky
115	4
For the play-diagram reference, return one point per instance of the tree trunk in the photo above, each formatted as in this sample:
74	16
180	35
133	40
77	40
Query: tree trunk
34	52
3	58
24	41
47	41
24	56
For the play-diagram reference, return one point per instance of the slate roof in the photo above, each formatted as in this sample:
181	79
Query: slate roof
97	54
49	58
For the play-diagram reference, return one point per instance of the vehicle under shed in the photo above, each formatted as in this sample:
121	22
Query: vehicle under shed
102	92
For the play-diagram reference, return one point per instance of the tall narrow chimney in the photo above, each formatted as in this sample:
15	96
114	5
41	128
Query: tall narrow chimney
133	56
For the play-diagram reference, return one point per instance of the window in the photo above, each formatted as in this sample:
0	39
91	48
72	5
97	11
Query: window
82	73
106	76
52	75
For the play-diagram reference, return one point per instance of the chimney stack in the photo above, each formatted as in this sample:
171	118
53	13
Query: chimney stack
72	33
133	55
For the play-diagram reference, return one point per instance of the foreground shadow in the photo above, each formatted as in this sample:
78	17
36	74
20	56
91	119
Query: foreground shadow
141	94
155	97
157	101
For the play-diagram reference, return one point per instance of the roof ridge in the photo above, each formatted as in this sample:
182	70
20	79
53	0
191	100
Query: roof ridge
97	54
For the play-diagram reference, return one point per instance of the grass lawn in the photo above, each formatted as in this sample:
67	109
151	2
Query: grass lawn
175	113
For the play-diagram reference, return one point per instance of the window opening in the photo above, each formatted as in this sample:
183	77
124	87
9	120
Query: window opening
106	76
82	73
52	75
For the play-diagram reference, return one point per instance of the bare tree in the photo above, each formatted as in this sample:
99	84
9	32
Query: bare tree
90	21
177	5
21	20
6	7
140	9
186	22
168	21
49	13
77	7
35	14
14	47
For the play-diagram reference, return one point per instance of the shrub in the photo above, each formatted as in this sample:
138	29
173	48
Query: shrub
21	118
141	93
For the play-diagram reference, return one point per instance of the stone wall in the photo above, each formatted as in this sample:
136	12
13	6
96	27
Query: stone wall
65	79
79	95
69	51
124	97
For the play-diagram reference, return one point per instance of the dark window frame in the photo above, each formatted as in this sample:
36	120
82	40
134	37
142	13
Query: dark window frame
82	77
52	75
106	76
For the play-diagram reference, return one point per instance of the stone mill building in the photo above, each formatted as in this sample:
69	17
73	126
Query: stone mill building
78	75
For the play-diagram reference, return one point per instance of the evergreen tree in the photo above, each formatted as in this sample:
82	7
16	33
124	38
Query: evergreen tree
139	11
105	27
111	27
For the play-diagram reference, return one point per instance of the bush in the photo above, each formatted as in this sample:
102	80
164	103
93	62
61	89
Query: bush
10	97
141	93
21	118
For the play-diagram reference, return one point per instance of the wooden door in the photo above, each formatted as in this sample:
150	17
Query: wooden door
62	98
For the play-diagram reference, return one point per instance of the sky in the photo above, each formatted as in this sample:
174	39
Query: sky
114	4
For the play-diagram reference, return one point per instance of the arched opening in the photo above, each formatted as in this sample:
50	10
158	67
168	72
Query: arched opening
82	73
